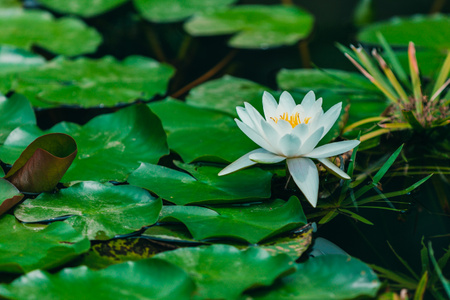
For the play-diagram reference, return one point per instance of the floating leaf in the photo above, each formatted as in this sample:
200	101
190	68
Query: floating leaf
255	26
251	223
98	211
149	279
224	272
117	142
88	82
176	10
10	195
43	163
14	112
10	3
325	277
420	29
85	8
170	233
226	93
66	36
24	249
13	61
202	185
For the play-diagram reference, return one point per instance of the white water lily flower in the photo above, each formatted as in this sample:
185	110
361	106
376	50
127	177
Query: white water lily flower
291	132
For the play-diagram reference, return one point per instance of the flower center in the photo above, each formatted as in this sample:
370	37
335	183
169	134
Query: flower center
294	120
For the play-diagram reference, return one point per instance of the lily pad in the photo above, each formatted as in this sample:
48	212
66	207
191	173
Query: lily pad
13	61
88	82
85	8
176	10
24	249
226	93
420	29
43	163
117	142
202	185
255	26
325	277
145	279
10	3
251	223
10	195
14	112
97	210
66	36
224	272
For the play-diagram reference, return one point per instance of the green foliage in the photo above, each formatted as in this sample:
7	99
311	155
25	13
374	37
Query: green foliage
85	8
94	82
99	211
25	28
10	195
14	112
48	248
254	26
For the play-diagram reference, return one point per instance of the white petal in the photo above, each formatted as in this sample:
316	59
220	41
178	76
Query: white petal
269	105
243	115
329	118
308	101
254	136
311	142
315	108
301	131
240	163
333	168
282	127
266	158
287	102
271	136
333	149
254	115
305	174
289	145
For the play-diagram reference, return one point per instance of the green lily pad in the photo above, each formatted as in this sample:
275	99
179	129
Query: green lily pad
14	112
149	279
226	93
10	195
325	277
10	3
97	210
202	185
199	134
117	142
13	61
88	82
24	249
224	272
176	10
420	29
85	8
251	223
43	163
172	233
66	36
255	26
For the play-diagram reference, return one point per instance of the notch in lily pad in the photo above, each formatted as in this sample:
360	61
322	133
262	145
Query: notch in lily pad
43	163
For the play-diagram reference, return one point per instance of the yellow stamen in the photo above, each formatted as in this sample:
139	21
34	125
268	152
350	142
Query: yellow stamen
294	120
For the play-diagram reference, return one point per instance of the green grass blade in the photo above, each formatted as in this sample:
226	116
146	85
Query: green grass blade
404	280
392	59
354	216
404	263
444	281
421	287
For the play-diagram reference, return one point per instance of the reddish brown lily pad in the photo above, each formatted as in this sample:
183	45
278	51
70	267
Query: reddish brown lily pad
43	163
9	195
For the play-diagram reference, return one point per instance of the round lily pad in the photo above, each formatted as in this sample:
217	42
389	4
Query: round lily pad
85	8
23	249
88	82
202	184
224	272
117	142
325	277
255	26
420	29
145	279
97	210
251	223
67	36
14	112
13	61
176	10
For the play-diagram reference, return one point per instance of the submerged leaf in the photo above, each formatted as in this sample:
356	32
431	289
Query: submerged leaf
23	249
43	163
203	185
97	210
